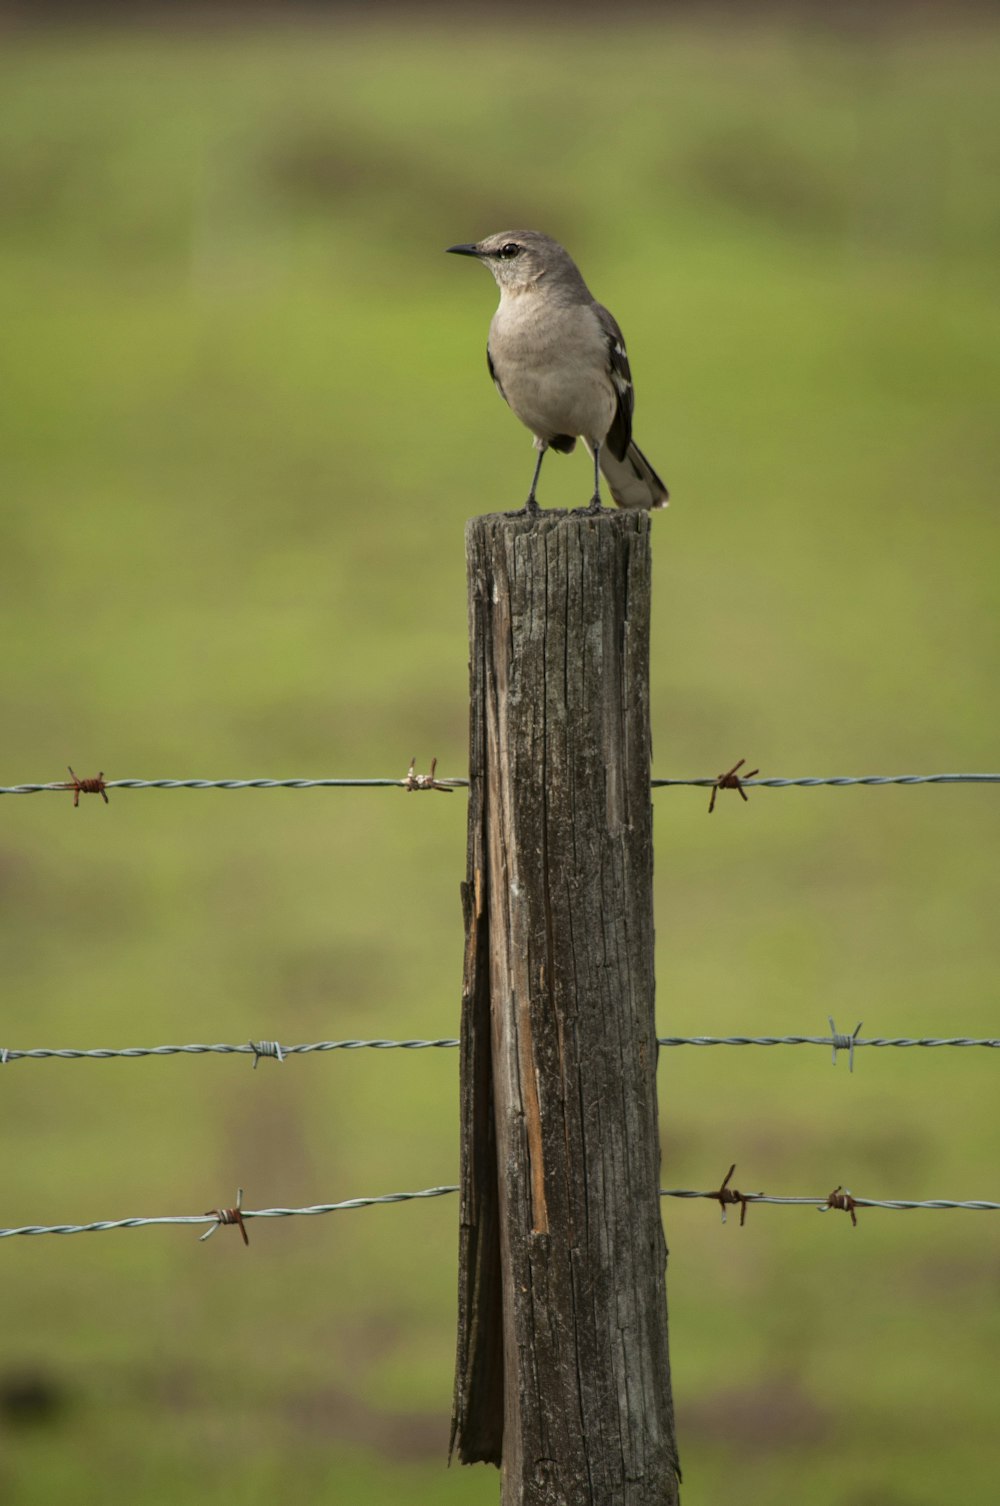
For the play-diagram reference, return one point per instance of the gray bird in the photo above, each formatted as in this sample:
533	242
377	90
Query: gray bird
558	360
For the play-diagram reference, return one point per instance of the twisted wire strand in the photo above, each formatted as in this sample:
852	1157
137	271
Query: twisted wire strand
837	780
433	1192
822	1202
251	1048
224	784
213	1218
840	1043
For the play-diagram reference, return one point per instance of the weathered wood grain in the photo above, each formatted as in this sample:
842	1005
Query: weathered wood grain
561	1246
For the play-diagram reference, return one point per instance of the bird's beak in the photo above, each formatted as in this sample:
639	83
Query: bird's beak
467	250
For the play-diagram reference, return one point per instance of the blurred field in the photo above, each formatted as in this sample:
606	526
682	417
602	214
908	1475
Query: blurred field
245	416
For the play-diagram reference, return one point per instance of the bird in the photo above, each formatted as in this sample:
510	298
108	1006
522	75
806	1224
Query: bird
557	358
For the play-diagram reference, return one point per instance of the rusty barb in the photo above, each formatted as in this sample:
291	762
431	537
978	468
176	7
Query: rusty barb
731	1195
731	780
86	787
415	781
839	1198
227	1216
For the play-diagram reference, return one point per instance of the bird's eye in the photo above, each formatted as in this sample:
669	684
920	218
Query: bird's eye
511	249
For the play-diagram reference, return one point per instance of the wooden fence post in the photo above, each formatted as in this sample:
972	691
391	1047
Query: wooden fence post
562	1373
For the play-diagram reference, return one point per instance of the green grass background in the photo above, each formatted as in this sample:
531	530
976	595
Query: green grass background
245	415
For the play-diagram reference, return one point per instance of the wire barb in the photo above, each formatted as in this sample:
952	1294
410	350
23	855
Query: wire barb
86	787
227	1216
844	1042
727	1194
266	1048
731	780
415	781
839	1198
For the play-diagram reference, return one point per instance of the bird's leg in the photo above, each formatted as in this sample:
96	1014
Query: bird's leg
595	501
594	505
531	507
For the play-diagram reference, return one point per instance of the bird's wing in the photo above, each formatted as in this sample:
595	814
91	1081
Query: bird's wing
620	433
493	374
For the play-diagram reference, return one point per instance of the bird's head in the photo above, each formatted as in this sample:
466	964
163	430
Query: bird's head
520	259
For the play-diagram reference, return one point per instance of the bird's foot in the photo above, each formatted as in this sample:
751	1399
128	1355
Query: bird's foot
530	509
592	509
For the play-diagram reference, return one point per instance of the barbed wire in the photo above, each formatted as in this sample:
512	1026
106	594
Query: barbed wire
217	1217
99	785
278	1051
227	784
810	782
256	1049
837	1040
839	1198
821	1202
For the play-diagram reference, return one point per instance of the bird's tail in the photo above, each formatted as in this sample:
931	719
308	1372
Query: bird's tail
632	481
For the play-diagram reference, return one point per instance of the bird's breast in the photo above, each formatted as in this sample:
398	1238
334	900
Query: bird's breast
551	363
